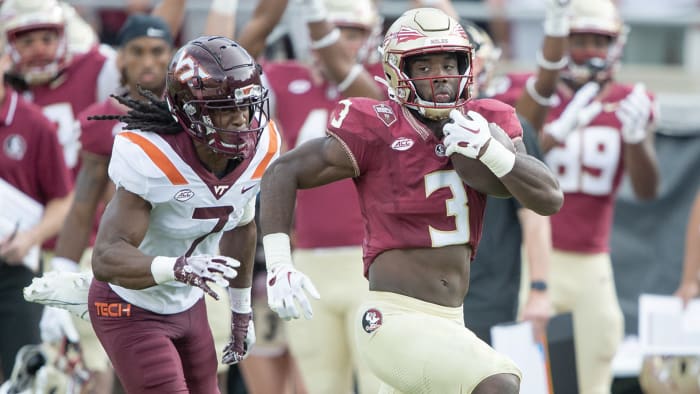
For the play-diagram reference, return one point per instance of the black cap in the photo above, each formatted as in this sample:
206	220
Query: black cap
142	25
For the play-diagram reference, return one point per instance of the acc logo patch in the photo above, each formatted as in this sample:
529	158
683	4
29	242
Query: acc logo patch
184	195
371	320
385	114
402	144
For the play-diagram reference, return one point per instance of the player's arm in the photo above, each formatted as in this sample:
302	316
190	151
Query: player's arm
352	78
314	163
266	16
221	20
172	12
116	257
522	176
537	241
90	186
690	281
240	243
534	102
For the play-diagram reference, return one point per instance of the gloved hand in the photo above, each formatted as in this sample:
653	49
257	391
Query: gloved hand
285	285
466	135
195	271
55	324
242	338
578	113
470	136
556	19
633	113
313	10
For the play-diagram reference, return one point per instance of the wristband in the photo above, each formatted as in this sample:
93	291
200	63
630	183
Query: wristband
550	65
498	158
539	99
278	249
62	264
327	40
240	299
355	71
162	269
227	7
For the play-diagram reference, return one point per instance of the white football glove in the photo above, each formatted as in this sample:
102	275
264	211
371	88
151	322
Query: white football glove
286	287
578	113
195	271
633	113
467	135
556	20
55	324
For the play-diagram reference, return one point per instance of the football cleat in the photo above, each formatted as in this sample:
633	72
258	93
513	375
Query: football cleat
65	290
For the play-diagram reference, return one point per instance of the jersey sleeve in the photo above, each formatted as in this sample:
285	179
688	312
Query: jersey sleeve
352	122
131	168
248	213
96	136
500	113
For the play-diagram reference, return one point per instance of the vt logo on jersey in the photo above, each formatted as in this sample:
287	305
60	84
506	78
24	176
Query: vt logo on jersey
219	190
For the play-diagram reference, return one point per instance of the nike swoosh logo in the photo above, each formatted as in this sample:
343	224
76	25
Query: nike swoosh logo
471	130
245	189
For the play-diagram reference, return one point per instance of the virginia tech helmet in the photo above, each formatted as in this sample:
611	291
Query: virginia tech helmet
210	74
424	31
670	375
358	14
20	16
596	17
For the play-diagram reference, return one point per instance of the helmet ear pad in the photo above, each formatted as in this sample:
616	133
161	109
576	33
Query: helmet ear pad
211	74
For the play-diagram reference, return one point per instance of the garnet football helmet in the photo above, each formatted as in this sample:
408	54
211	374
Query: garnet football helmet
20	16
596	17
210	75
423	31
359	14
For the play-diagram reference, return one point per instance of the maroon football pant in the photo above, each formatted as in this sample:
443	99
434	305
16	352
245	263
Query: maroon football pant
153	353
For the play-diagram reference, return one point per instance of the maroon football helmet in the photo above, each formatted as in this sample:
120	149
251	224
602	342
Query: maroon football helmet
212	75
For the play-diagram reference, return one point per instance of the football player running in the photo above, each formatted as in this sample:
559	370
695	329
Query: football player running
422	219
187	174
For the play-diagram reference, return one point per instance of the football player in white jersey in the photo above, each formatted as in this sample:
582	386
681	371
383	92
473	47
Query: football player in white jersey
187	173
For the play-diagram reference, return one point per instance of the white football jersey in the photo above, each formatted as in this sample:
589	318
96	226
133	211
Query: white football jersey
188	213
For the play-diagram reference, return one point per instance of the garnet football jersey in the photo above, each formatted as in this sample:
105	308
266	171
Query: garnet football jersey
589	167
97	136
410	195
301	109
89	78
190	206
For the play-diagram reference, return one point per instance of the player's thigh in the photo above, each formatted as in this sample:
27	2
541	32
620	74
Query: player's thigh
418	352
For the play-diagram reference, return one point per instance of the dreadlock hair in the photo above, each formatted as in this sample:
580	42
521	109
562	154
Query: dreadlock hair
151	115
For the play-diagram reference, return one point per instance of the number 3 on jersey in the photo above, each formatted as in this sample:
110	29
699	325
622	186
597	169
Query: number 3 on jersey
456	206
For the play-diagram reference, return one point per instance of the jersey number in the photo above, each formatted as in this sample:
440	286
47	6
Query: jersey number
68	130
221	213
588	162
456	206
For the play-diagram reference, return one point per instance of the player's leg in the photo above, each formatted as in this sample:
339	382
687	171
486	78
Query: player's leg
584	284
140	346
323	356
415	346
196	349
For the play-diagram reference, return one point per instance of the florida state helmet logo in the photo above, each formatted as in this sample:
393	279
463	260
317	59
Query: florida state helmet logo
371	320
